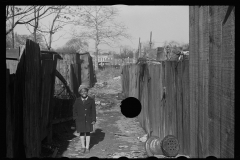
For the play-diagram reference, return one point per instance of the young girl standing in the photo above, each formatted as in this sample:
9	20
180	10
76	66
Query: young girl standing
84	113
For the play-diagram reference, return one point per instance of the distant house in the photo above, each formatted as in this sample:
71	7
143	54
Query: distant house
104	59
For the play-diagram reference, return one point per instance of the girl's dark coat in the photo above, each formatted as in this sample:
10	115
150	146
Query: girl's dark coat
84	114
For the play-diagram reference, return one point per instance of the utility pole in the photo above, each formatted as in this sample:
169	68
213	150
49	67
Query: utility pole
150	43
139	48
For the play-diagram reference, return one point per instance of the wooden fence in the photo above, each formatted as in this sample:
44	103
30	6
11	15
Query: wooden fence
192	100
29	101
163	90
212	57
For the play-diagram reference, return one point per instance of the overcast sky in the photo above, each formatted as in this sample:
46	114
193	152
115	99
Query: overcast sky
166	23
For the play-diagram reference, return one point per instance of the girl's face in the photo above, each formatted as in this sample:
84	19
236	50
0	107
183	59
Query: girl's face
84	93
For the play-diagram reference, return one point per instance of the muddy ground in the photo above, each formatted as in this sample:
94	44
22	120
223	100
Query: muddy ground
114	135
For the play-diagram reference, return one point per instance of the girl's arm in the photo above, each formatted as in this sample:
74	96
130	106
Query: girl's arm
93	111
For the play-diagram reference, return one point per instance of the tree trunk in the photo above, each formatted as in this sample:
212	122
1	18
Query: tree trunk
96	57
34	29
36	24
13	45
50	41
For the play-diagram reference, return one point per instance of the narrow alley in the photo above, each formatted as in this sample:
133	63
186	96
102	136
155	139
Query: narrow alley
114	135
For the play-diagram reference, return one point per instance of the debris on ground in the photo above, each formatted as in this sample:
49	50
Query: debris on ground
101	85
97	102
123	146
115	78
143	138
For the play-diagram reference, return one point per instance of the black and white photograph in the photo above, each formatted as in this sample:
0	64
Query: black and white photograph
114	81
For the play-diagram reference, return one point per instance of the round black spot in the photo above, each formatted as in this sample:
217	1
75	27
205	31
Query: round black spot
211	157
131	107
181	157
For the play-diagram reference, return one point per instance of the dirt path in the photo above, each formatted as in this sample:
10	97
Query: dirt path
115	136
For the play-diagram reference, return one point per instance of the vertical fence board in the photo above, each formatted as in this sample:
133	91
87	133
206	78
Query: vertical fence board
201	96
150	100
136	85
157	94
227	62
47	73
168	94
75	77
32	100
145	97
9	125
193	70
186	109
174	102
170	99
215	88
18	129
179	105
93	78
203	81
140	86
85	76
52	102
131	81
162	101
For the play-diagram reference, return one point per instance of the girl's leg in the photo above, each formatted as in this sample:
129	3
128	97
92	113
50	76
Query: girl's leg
82	138
87	139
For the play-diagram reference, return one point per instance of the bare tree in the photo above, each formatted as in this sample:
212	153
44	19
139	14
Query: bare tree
61	17
35	23
24	14
12	10
100	26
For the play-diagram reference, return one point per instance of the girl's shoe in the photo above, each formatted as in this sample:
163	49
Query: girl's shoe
87	150
82	150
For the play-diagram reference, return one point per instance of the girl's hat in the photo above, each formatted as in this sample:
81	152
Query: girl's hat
82	86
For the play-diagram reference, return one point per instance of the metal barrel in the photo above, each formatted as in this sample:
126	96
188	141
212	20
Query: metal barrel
170	146
153	146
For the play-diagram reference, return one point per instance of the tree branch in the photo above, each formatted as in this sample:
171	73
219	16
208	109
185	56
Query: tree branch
20	13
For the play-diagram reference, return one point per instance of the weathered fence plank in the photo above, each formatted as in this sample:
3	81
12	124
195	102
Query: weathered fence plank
193	69
215	89
17	108
203	82
179	105
92	78
9	125
47	73
186	109
31	105
75	78
151	101
162	98
52	103
228	86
